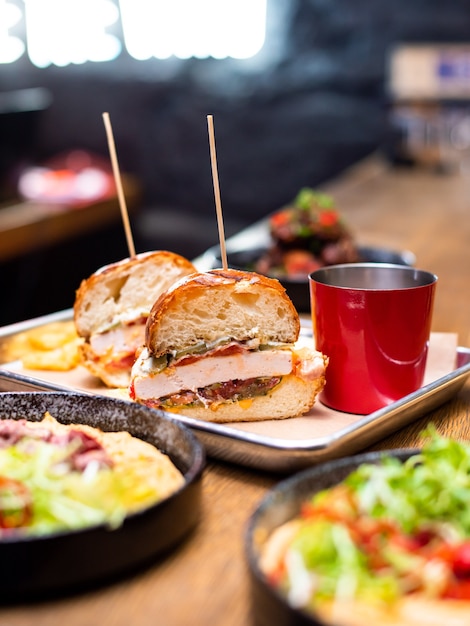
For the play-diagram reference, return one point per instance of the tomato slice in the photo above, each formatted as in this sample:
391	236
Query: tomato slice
16	506
461	560
458	590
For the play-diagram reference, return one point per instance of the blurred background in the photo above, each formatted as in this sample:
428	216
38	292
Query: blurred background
299	90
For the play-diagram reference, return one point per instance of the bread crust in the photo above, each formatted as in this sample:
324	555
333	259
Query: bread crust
226	303
221	295
112	378
120	295
107	280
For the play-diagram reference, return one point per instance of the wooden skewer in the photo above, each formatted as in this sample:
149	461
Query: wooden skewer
117	179
215	179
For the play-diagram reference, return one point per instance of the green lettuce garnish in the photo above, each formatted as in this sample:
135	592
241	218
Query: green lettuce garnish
428	492
65	500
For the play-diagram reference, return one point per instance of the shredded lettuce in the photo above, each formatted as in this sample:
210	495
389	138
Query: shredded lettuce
400	500
341	569
433	485
64	499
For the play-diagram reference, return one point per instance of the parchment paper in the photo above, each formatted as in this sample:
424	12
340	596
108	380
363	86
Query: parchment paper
320	421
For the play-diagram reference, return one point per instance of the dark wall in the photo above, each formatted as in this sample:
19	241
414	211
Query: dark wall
313	102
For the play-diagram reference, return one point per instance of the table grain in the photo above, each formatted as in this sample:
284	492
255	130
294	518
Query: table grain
204	581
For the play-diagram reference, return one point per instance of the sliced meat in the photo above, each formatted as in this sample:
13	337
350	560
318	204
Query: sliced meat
208	371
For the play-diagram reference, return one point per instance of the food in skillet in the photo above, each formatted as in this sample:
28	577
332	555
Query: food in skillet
56	477
389	545
222	346
307	234
111	309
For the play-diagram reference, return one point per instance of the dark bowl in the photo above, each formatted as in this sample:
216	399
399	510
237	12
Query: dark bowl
297	288
280	505
36	567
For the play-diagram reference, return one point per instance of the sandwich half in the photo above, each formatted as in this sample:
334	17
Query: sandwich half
112	306
222	346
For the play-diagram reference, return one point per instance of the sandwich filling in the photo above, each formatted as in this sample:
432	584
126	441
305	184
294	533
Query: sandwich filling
232	371
116	347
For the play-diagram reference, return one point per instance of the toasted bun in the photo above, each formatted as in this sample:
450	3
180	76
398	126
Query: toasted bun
113	378
293	397
206	306
126	290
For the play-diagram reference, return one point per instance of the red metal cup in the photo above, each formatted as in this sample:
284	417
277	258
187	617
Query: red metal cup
373	321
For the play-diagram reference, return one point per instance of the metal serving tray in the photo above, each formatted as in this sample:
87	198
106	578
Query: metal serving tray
281	446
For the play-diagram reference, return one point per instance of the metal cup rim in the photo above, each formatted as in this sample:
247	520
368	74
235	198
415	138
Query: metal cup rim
335	276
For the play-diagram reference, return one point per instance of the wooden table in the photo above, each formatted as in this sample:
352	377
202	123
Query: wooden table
205	580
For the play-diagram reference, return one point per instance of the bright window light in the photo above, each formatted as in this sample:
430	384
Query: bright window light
11	48
186	28
61	32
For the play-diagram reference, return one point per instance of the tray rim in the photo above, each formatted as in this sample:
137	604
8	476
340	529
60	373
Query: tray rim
276	454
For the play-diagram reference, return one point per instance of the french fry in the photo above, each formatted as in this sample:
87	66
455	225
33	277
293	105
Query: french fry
63	358
54	346
52	336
